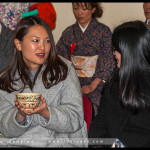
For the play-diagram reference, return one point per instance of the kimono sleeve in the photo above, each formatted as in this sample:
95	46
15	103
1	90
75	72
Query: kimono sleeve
63	45
105	62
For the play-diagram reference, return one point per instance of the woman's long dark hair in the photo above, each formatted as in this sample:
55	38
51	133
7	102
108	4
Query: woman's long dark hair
55	69
132	41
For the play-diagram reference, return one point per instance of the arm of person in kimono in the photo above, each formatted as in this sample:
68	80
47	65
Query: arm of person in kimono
105	62
91	87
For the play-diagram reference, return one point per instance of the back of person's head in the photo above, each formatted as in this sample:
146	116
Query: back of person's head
132	41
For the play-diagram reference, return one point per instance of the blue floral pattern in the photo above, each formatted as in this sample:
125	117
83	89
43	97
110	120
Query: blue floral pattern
10	13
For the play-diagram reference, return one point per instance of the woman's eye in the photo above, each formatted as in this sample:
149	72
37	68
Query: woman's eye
75	8
84	8
47	41
35	40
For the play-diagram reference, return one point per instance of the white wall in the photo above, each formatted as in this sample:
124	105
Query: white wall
114	14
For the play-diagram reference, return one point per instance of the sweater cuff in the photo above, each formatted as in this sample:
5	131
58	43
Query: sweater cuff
25	122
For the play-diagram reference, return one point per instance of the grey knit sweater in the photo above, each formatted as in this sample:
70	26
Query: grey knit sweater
66	126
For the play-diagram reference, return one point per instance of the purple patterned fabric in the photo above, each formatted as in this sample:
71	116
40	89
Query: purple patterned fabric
10	13
96	40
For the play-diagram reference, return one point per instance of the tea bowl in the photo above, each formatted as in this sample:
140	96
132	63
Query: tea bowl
28	101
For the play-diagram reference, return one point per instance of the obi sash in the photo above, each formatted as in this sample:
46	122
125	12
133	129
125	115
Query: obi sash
84	65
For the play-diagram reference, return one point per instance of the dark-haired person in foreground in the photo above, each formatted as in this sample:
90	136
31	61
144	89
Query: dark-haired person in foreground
125	105
35	67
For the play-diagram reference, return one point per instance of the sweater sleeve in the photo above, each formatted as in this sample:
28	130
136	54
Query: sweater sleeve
9	127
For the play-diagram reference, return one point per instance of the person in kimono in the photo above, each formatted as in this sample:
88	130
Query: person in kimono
87	43
58	121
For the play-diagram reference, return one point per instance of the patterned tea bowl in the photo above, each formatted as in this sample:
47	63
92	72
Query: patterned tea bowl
28	100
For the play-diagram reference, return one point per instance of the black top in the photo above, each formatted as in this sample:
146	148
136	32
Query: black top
113	121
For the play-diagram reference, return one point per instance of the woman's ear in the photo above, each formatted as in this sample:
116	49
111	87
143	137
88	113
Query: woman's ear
17	44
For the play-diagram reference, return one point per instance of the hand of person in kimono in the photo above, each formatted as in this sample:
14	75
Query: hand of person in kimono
86	89
41	110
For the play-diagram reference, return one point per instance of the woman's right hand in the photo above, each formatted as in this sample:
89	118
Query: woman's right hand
21	111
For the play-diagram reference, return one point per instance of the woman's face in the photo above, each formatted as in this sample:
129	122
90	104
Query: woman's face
35	46
82	14
118	58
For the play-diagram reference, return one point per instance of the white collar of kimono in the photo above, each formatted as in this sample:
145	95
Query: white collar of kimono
83	29
0	28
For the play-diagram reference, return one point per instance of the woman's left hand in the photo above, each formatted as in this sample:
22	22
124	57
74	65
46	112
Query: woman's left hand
86	89
41	109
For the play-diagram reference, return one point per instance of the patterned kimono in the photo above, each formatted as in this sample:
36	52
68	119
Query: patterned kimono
91	54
